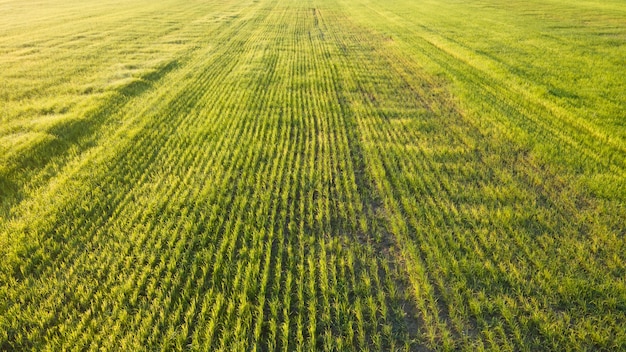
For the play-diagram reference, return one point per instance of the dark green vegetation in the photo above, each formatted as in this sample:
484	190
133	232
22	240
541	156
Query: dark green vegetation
313	175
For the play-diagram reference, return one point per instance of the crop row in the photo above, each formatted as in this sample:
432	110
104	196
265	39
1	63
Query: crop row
324	175
220	218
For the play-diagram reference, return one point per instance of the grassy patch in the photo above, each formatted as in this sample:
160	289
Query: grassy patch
321	175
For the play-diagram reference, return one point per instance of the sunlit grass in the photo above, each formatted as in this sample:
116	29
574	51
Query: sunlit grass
321	175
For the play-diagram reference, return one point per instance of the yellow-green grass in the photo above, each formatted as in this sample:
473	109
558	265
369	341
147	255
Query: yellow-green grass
313	175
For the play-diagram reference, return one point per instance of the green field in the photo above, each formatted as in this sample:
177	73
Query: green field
296	175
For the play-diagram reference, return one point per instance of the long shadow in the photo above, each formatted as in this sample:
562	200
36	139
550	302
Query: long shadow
80	132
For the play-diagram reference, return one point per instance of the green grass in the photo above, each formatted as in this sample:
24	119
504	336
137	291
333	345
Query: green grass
313	175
